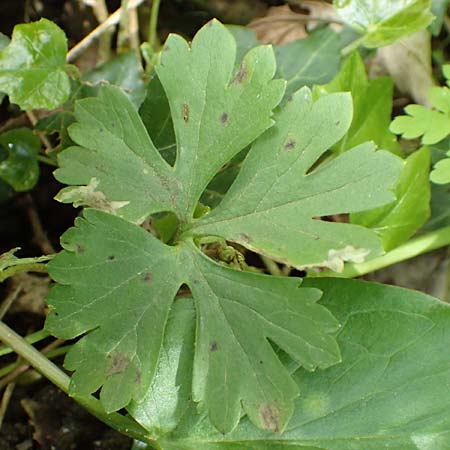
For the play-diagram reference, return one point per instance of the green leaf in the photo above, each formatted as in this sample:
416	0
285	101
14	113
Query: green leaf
169	395
441	171
232	362
20	168
216	115
440	193
432	125
116	282
389	392
124	71
439	10
397	222
303	62
383	22
309	61
155	114
32	66
372	106
277	191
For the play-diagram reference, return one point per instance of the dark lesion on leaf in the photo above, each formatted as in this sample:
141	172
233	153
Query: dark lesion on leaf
185	112
224	118
289	145
213	346
117	363
79	248
242	73
111	258
147	277
270	416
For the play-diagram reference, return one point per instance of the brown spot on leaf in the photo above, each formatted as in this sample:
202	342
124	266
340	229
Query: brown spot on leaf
213	346
113	125
147	277
290	98
166	48
185	112
270	417
239	78
210	23
118	363
111	258
289	144
79	248
224	118
338	123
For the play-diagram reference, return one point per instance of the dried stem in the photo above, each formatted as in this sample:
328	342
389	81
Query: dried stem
111	21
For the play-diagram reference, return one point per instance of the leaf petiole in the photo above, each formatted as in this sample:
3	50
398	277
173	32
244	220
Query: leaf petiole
415	247
43	365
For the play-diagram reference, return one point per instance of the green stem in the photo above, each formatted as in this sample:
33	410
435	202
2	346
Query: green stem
50	355
271	266
415	247
31	339
43	365
152	34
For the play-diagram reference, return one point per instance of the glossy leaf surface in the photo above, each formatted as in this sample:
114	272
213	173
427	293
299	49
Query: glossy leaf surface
32	66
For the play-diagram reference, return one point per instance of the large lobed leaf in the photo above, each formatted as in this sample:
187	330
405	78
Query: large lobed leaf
117	282
32	66
389	392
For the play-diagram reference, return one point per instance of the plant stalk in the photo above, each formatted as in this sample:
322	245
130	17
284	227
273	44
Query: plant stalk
152	33
415	247
43	365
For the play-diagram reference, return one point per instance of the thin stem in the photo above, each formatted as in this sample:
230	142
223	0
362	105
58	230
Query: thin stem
123	424
5	401
152	34
4	371
31	339
123	37
112	20
415	247
271	266
104	45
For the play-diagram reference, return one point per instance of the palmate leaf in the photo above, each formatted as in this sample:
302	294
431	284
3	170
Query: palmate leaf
117	282
432	125
389	392
127	299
